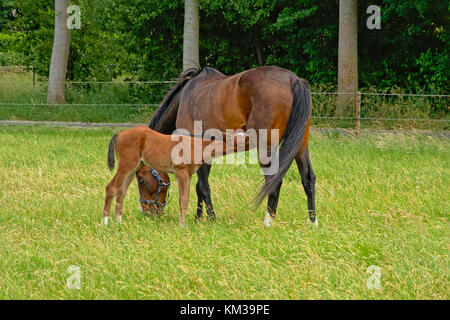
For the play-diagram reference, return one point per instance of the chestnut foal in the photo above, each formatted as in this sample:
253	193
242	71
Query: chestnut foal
142	145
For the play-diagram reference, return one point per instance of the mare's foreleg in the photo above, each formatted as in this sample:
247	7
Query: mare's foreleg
200	200
204	192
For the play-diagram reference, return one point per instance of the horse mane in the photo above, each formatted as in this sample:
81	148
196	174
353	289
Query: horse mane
165	116
209	71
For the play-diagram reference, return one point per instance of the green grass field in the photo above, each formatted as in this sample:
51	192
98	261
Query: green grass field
382	201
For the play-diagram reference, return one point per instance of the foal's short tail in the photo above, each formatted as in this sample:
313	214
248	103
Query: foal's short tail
111	148
292	137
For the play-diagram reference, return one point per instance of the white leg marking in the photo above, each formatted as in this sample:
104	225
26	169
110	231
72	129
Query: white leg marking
119	219
268	220
315	223
105	221
140	203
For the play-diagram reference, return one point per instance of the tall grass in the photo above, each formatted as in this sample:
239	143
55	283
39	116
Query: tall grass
108	102
381	201
142	100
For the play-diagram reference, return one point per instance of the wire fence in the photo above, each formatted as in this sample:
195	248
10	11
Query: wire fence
313	92
173	82
443	134
319	114
81	104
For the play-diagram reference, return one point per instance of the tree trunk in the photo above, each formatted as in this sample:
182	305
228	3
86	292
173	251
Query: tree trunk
191	35
60	53
260	53
348	56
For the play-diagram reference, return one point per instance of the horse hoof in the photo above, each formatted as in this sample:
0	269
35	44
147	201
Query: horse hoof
268	220
315	223
119	219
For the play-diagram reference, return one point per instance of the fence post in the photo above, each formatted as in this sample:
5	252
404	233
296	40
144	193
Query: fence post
358	112
34	74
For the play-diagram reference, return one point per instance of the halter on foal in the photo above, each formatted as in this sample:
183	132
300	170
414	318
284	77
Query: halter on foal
156	188
141	145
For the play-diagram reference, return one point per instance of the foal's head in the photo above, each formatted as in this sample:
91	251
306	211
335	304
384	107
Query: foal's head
151	201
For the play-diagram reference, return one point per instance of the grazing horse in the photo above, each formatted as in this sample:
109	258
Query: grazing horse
142	145
153	189
266	97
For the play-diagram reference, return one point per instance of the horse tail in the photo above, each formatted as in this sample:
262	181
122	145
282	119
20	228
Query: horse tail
165	116
292	137
111	148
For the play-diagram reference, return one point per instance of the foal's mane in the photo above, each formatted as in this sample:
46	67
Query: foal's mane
164	118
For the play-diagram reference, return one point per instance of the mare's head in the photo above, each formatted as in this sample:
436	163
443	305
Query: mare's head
153	189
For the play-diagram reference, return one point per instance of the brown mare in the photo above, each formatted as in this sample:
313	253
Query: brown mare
262	98
142	145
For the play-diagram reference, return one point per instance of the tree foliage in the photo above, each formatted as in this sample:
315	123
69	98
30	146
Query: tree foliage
143	39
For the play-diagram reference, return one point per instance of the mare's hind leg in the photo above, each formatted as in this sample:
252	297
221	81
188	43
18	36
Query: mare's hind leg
309	184
272	204
121	193
204	192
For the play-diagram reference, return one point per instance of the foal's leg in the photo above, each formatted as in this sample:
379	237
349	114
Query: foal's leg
121	193
112	190
183	180
204	192
309	184
123	173
110	194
